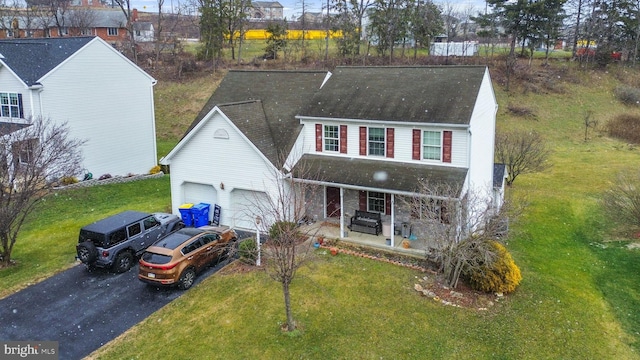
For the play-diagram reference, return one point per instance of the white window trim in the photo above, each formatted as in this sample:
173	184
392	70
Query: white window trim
325	138
423	145
384	141
384	202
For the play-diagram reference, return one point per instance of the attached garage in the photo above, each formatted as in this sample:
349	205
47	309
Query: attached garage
244	209
196	193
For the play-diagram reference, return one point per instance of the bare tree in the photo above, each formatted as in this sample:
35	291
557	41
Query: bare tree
280	214
522	153
621	202
31	160
83	19
125	6
457	226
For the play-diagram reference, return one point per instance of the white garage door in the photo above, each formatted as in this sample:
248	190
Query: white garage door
195	193
243	207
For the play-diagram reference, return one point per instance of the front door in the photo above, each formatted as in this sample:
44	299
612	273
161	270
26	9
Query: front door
333	201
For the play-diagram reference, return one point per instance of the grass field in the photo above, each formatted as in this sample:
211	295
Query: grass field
579	297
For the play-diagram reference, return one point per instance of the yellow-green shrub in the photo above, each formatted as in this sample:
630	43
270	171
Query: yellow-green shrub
154	170
503	275
68	180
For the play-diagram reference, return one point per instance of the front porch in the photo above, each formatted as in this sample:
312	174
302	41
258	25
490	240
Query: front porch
330	229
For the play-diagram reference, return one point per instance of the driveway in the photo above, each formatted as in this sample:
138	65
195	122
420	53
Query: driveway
83	310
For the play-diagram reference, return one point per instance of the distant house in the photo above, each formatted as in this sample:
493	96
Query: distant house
266	10
462	48
366	136
108	24
104	98
143	31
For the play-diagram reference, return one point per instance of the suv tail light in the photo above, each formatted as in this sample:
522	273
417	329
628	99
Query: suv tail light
157	266
105	254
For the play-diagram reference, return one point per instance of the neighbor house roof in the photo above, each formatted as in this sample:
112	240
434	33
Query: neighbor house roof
425	94
8	128
267	4
374	174
281	96
31	59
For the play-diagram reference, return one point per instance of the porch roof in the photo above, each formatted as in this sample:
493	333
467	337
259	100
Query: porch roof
375	175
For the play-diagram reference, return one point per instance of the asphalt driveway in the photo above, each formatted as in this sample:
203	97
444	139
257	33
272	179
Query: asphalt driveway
83	310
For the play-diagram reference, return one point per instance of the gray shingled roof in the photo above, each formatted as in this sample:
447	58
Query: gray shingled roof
31	59
426	94
282	95
375	174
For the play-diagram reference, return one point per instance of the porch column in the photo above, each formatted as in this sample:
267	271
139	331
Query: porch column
393	220
341	213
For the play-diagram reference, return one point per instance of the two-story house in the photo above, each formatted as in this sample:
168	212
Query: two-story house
105	99
364	135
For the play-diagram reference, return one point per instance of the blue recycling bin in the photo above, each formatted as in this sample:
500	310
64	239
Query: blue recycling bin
200	213
185	213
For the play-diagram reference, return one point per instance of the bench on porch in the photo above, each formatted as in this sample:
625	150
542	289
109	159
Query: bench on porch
366	222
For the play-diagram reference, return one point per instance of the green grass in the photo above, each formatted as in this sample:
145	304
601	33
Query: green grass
578	298
46	244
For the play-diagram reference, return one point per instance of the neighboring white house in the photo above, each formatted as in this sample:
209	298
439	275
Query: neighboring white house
366	135
463	48
143	31
105	99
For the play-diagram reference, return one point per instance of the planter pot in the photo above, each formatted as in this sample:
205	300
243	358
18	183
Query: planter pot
388	242
334	251
406	244
316	245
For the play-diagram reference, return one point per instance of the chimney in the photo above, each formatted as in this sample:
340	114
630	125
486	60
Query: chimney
134	15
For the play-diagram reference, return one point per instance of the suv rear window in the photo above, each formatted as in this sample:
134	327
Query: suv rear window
154	258
117	236
96	238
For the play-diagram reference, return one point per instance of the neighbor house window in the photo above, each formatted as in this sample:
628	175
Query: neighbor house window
376	141
28	33
64	31
375	202
11	105
10	33
112	31
85	32
47	33
431	145
331	138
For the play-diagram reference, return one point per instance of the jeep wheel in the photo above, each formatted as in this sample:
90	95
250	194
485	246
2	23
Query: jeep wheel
87	252
124	261
186	279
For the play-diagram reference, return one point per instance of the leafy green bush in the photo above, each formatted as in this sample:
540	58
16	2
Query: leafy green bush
625	127
503	275
248	251
628	95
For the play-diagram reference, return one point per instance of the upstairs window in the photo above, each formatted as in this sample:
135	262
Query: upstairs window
331	138
431	145
11	105
376	142
112	31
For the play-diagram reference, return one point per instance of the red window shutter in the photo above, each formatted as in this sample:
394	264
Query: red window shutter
390	142
446	146
362	200
417	144
387	204
343	139
319	137
363	140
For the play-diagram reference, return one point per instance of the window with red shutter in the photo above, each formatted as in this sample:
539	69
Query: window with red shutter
417	144
319	137
363	141
446	146
390	142
343	139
